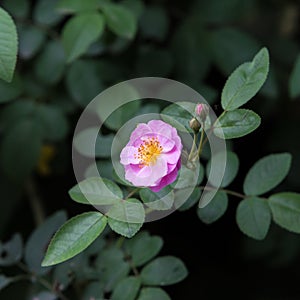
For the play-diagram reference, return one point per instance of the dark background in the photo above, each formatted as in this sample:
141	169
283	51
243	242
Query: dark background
199	43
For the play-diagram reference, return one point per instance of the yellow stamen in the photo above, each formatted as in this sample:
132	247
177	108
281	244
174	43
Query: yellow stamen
148	151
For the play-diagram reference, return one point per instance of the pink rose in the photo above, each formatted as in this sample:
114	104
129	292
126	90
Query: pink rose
152	155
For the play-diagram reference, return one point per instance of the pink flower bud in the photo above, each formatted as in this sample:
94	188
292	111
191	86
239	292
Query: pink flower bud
199	108
201	112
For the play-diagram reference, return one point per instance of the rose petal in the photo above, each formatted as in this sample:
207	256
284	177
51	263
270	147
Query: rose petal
176	139
146	175
140	130
166	143
173	156
127	156
166	180
160	127
138	176
171	167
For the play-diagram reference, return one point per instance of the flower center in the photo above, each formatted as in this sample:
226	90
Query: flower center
148	151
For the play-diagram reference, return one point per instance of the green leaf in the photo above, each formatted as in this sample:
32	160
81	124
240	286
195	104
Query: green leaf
164	270
11	252
231	169
215	209
135	6
150	108
85	138
38	241
50	64
14	112
253	217
45	13
120	20
184	204
285	209
236	123
245	81
93	291
112	267
8	46
143	247
162	200
188	177
76	6
34	88
267	173
17	8
103	167
154	23
149	293
103	145
231	47
12	90
84	88
223	13
126	217
5	281
25	135
123	114
96	191
146	62
75	39
74	236
179	115
31	39
294	86
190	53
126	289
53	122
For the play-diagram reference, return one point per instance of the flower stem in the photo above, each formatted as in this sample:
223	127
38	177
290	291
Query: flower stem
132	193
201	143
212	127
229	192
194	146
